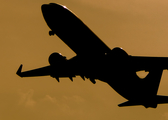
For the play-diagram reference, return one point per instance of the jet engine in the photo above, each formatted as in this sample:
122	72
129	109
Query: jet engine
117	58
117	54
56	58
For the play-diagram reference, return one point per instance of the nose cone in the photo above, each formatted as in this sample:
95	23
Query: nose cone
53	14
52	9
45	7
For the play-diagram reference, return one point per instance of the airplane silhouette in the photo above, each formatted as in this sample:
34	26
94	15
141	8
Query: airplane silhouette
95	60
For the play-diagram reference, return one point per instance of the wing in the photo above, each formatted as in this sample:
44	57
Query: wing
149	63
72	31
45	71
73	67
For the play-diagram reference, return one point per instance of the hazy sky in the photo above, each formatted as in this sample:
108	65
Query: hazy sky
138	26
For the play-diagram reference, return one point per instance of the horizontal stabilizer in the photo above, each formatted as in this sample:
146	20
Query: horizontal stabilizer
153	103
128	103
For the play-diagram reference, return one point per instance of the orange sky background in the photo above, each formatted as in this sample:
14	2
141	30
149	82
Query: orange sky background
138	26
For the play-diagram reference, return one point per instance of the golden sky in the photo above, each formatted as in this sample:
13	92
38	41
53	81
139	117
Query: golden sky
138	26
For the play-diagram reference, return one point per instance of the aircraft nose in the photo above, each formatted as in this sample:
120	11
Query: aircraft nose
54	14
51	7
44	8
52	10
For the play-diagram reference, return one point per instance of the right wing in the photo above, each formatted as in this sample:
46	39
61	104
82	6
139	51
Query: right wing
149	63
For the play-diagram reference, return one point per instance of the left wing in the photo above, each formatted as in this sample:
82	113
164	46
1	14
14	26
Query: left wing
46	71
73	67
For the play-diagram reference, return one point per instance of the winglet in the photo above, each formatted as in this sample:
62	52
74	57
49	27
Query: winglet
19	70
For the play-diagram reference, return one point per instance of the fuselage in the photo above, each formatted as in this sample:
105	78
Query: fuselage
94	59
91	51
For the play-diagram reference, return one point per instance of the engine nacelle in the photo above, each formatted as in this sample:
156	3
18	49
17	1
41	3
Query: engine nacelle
117	58
56	58
117	54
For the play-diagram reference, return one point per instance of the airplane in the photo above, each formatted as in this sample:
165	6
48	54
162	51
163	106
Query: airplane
95	60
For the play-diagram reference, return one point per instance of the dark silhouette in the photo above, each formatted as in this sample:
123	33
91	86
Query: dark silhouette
94	60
